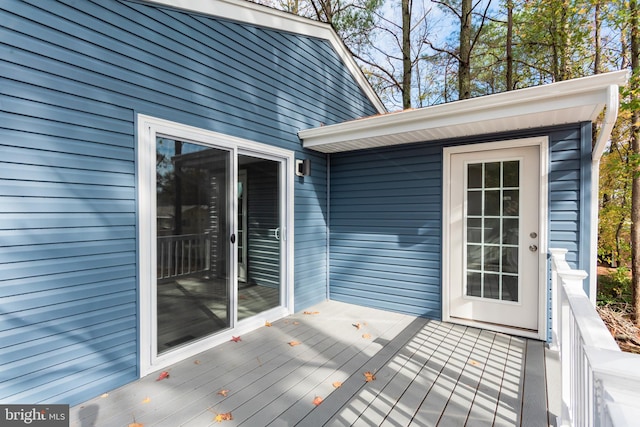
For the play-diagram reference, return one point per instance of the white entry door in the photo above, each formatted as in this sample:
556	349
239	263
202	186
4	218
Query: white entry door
494	232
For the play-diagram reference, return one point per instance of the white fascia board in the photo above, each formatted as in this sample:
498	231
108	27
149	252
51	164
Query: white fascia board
263	16
558	103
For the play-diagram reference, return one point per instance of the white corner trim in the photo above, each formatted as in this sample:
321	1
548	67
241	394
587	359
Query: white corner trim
609	121
263	16
543	242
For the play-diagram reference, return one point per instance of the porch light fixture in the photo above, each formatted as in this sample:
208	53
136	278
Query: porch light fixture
303	167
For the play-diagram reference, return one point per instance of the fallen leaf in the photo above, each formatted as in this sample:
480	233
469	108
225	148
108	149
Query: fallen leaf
104	395
196	362
163	375
223	393
311	312
369	376
223	417
146	400
267	324
296	323
317	400
357	325
136	425
366	336
294	343
235	339
337	384
474	363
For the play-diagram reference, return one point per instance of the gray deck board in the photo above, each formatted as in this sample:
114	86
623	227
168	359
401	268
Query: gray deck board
428	373
534	402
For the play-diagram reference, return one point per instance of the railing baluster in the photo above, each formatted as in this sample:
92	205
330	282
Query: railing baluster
181	255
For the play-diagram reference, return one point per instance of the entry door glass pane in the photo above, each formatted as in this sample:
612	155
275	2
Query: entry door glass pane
492	222
193	283
261	288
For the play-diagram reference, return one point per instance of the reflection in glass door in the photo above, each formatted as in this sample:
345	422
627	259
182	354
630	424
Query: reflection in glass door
193	248
261	289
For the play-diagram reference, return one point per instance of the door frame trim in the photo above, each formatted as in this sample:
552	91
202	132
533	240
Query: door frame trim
147	129
543	143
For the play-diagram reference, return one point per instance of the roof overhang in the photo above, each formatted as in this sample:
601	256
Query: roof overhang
266	17
565	102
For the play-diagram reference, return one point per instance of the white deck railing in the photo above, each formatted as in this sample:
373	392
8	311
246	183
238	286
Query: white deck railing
600	383
182	255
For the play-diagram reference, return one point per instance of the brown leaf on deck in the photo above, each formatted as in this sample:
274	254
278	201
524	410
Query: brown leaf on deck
369	376
162	376
317	400
337	384
294	343
357	325
223	417
366	336
267	324
146	400
235	339
312	313
223	393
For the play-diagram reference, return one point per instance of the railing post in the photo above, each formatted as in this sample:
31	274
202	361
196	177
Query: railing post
557	255
571	357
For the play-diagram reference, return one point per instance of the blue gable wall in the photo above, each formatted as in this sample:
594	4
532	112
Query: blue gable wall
73	75
386	218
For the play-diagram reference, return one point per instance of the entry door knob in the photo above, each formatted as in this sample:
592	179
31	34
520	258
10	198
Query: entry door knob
533	248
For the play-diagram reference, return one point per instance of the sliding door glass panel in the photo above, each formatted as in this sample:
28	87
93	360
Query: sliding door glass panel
261	200
193	248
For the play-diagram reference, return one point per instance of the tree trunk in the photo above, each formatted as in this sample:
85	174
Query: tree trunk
564	41
596	36
464	66
510	45
406	54
635	151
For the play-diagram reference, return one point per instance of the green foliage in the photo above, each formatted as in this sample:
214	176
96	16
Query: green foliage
615	288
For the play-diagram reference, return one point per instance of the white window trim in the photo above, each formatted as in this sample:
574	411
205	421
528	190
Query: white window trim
147	129
543	143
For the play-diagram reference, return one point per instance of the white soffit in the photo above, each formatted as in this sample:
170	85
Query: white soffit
263	16
570	101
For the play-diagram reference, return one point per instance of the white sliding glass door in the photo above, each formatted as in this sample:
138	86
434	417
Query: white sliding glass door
214	246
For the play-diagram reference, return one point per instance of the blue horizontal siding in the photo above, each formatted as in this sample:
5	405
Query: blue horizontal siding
73	76
386	219
565	193
385	229
54	328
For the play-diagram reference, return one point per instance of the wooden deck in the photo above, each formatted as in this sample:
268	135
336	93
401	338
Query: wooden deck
427	373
